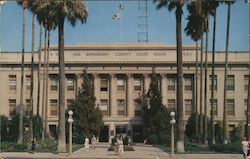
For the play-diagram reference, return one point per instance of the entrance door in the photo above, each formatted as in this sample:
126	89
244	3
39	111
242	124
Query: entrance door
121	130
104	134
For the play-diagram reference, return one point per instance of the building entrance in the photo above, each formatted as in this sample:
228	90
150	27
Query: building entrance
137	133
104	134
121	130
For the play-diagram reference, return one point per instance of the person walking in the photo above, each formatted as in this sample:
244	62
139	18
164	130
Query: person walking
245	147
93	141
120	145
33	145
86	143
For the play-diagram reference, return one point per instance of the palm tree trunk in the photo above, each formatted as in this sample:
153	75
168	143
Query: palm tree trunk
61	131
248	103
180	123
212	91
201	88
225	133
44	82
39	73
20	135
205	88
196	92
32	77
47	86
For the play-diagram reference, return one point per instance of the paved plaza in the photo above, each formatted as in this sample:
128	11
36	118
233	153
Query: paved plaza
141	152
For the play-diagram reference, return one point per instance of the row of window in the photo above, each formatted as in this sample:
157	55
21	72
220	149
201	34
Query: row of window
121	83
121	106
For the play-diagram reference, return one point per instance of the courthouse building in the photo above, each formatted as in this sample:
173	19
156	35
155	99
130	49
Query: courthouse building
121	73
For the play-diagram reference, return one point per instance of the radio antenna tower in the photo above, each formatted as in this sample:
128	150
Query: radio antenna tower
143	21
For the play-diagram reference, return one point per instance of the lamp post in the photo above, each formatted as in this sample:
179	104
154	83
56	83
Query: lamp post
70	121
172	122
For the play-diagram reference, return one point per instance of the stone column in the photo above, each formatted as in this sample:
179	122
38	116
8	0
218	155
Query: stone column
146	83
163	88
129	96
78	82
112	94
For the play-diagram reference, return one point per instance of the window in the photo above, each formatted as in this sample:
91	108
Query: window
137	106
171	103
104	84
53	107
215	106
69	102
230	107
121	106
137	83
215	82
246	82
188	83
12	107
12	82
28	82
188	106
104	106
53	83
171	83
121	84
28	107
231	129
70	84
230	82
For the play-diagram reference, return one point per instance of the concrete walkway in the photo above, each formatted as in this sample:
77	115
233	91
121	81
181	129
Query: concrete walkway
141	152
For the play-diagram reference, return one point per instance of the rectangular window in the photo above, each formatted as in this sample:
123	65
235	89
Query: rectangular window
121	106
53	107
171	83
70	84
104	84
12	107
230	107
28	82
104	106
230	82
246	82
138	107
137	83
121	84
188	83
188	106
12	82
215	106
215	82
171	103
69	102
53	83
28	107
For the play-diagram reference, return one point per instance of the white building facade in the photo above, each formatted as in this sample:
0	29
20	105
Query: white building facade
121	73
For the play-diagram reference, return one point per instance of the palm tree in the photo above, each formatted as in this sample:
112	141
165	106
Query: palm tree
32	77
39	71
177	5
58	11
225	133
193	29
215	4
21	105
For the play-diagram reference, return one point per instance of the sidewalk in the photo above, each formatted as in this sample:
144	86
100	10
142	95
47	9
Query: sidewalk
141	152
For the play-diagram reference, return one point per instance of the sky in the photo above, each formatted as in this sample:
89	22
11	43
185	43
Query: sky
100	26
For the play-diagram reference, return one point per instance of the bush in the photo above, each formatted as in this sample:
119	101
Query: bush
4	126
227	148
192	147
153	139
13	147
126	141
47	145
164	139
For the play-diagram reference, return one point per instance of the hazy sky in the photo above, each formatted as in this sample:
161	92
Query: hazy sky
100	26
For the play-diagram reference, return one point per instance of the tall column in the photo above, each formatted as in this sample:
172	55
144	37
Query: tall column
163	89
129	95
112	94
146	82
78	82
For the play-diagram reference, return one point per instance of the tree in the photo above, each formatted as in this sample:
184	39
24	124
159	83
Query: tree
58	12
21	104
225	133
156	116
194	29
177	5
87	116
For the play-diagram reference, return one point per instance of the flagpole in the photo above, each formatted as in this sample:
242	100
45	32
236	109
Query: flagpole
121	21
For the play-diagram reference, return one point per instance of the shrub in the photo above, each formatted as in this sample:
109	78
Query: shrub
227	148
4	126
153	139
192	147
164	139
47	145
13	147
126	141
